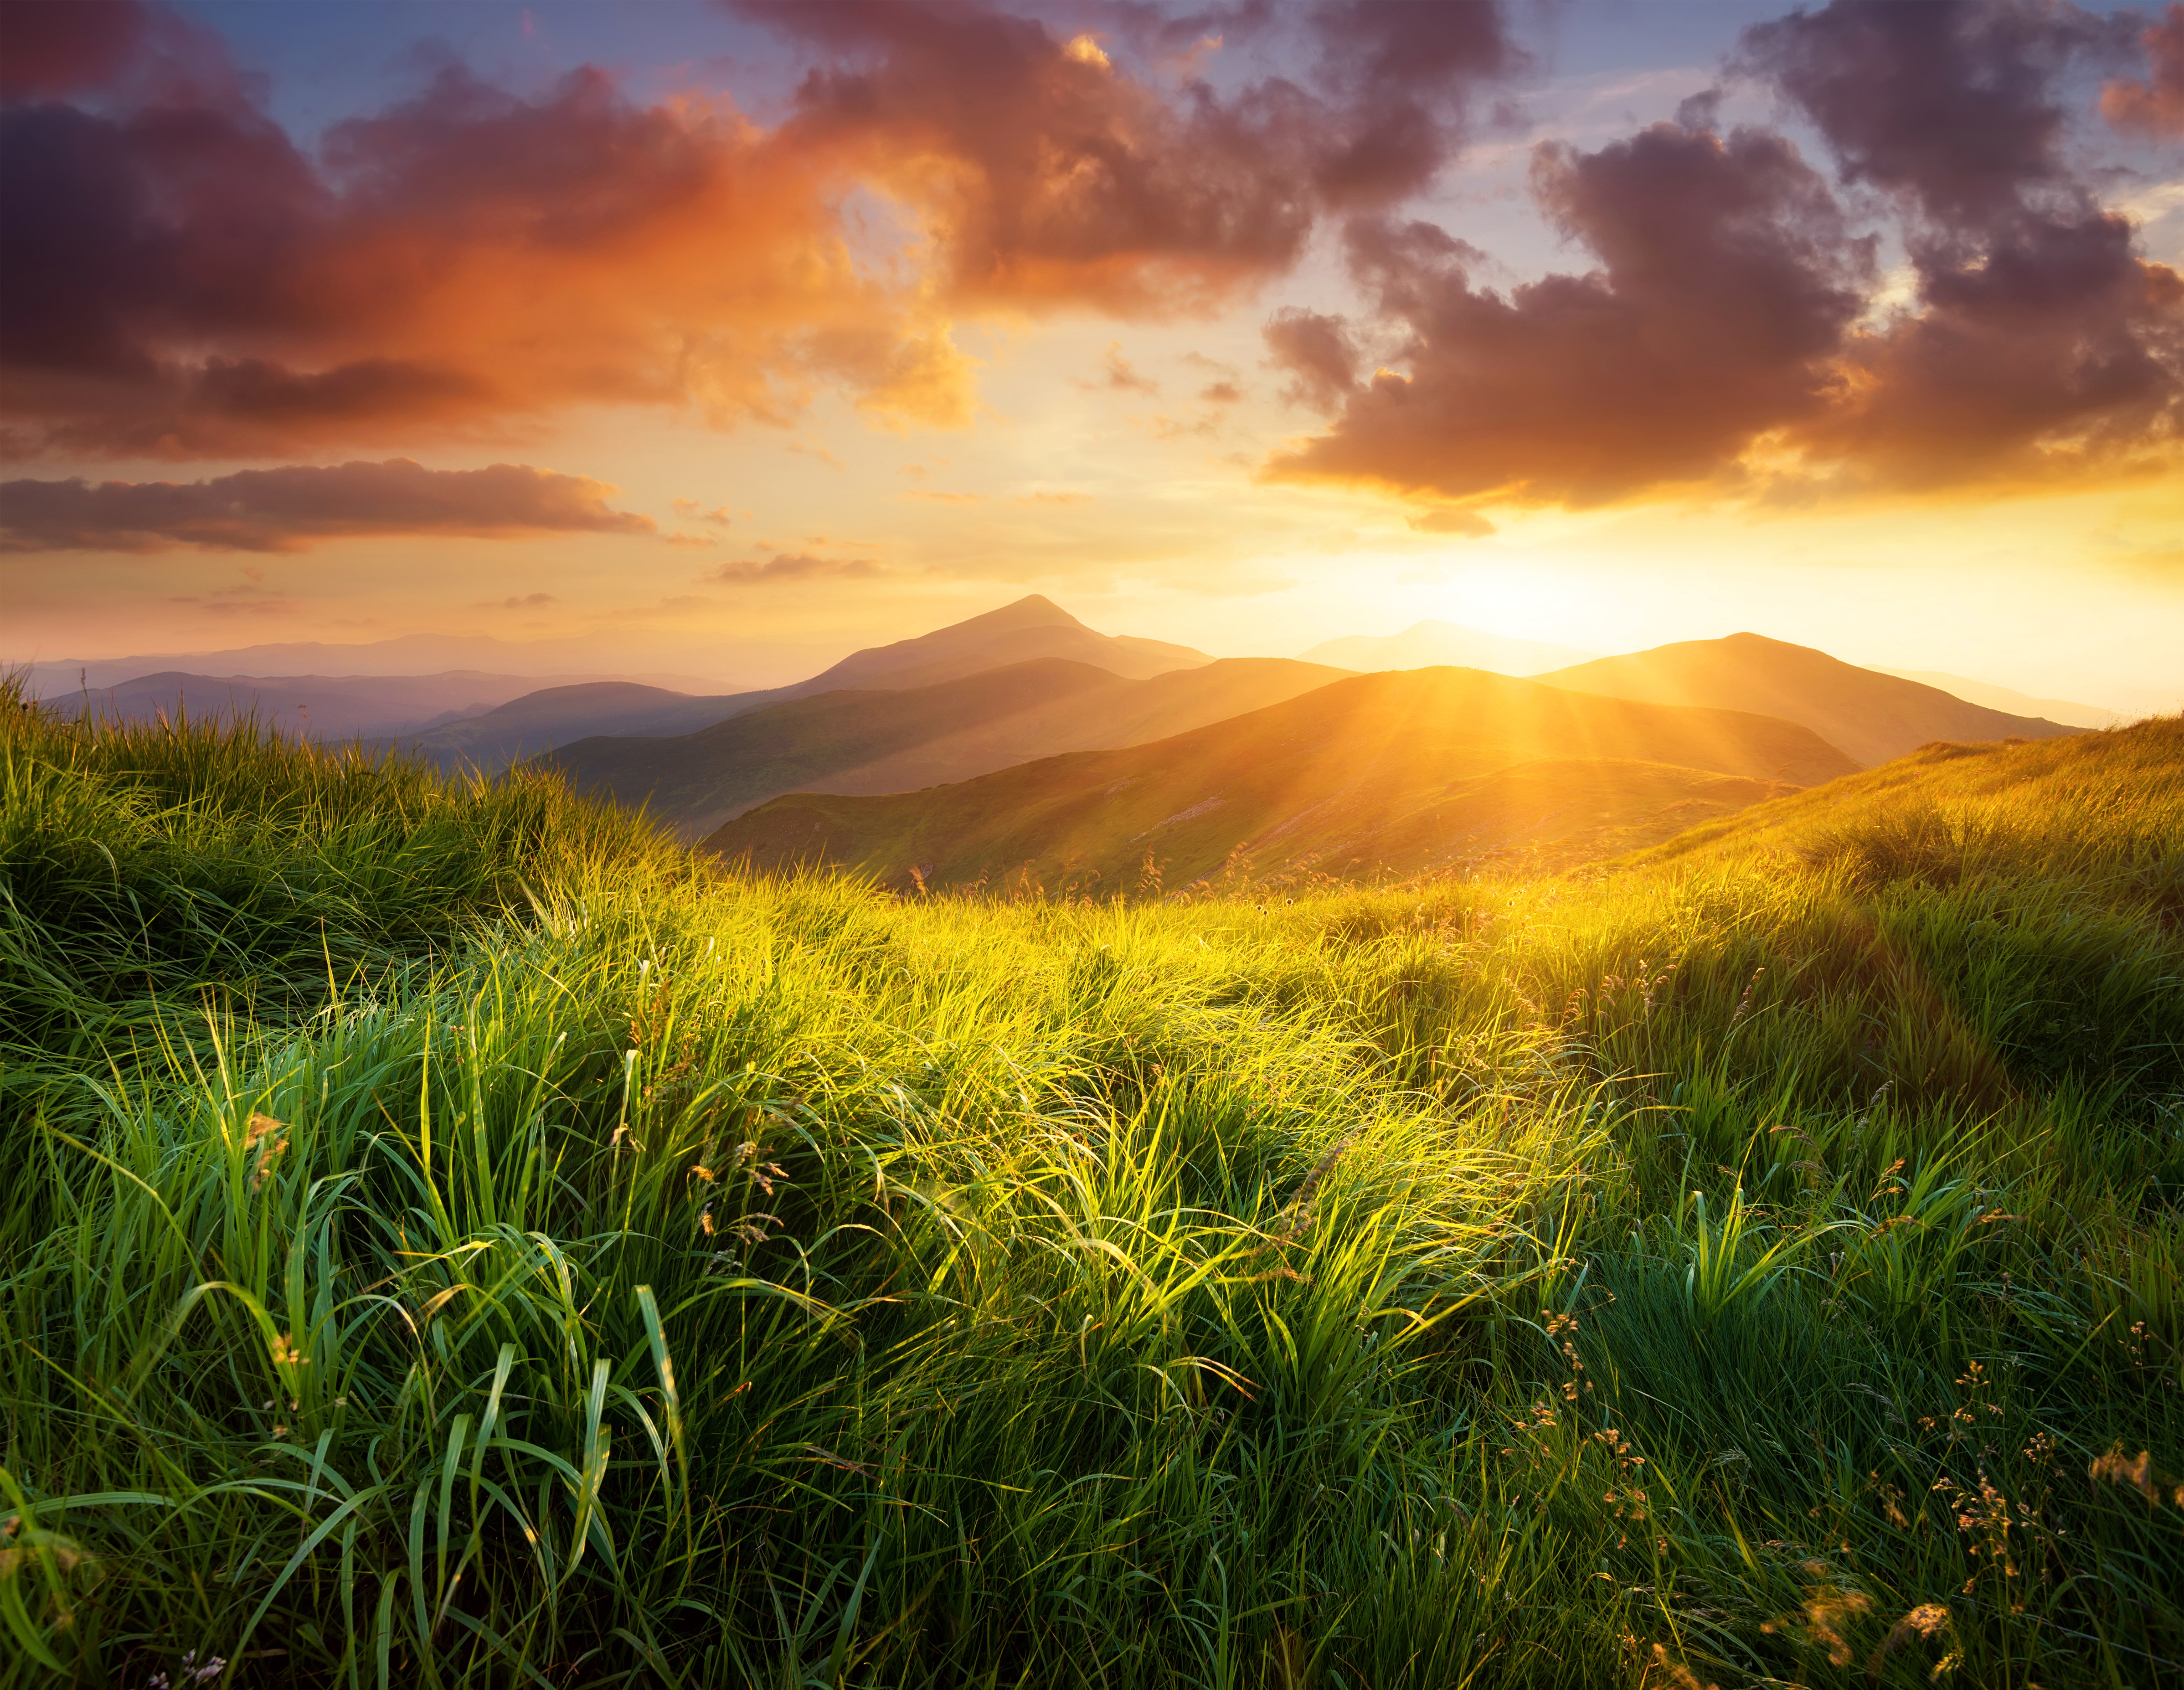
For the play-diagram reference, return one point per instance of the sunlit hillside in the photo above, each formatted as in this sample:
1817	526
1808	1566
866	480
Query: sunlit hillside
1431	769
458	1237
855	740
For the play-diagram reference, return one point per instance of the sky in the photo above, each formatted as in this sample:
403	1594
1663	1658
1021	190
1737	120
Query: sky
725	338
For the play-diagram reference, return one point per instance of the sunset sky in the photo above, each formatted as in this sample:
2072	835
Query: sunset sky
727	338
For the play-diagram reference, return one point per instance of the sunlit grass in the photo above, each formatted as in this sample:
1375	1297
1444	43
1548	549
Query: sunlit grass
535	1261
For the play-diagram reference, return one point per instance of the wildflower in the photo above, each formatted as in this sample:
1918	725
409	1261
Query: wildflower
1928	1620
2115	1467
262	1128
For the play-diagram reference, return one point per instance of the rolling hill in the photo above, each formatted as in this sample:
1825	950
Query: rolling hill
1868	715
865	741
1033	627
1430	644
1948	805
1400	771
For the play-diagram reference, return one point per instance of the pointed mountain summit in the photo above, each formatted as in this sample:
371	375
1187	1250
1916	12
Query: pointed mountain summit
1869	716
1430	644
1031	628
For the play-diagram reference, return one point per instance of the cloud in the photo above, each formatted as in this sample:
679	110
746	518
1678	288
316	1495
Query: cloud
1469	524
789	566
1319	352
2154	107
291	509
1404	73
529	601
1733	336
1221	393
1121	374
182	280
691	509
1048	176
2042	345
1727	279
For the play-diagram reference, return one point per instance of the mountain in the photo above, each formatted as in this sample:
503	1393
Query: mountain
861	741
537	722
1402	772
319	706
1032	627
1427	645
1871	716
419	655
1995	697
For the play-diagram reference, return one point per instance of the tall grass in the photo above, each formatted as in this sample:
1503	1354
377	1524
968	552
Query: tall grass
605	1272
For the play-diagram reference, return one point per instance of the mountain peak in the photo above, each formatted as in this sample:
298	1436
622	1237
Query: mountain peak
1033	610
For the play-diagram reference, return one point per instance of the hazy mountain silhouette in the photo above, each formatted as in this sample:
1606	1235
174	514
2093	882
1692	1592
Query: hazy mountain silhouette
537	722
2009	699
859	741
1032	627
1863	712
324	707
1427	644
1376	770
421	656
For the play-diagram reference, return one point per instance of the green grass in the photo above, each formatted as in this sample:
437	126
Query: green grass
1758	1268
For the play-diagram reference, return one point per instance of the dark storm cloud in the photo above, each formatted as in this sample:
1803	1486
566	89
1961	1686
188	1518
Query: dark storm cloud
288	510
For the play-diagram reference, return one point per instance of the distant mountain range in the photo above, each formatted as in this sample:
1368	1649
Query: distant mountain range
423	656
1032	627
323	707
1021	743
1870	715
1427	645
861	741
2010	701
1402	772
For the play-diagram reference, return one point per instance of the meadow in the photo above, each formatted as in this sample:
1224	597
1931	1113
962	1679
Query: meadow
456	1236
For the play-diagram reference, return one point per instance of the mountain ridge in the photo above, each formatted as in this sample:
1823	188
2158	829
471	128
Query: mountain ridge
1870	716
1310	780
855	742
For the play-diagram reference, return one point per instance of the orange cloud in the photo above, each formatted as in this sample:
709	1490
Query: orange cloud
789	566
2154	107
181	280
289	509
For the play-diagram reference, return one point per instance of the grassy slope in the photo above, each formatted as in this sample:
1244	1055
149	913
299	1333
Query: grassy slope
1872	715
1367	772
1706	1270
865	742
